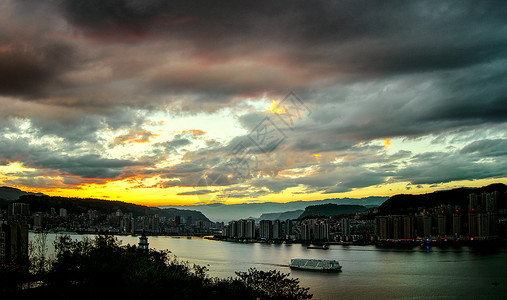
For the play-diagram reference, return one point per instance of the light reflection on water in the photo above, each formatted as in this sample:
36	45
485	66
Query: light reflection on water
368	271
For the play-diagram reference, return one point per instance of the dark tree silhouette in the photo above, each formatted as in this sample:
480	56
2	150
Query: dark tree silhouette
102	268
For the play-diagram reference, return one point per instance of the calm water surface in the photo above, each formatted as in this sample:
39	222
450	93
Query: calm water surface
368	272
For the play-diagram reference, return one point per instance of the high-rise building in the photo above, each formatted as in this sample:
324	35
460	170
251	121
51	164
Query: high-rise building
442	225
241	228
483	225
14	242
289	229
408	227
250	229
473	202
277	229
493	223
265	229
345	225
305	231
321	230
233	232
382	229
398	226
492	201
472	224
457	224
427	224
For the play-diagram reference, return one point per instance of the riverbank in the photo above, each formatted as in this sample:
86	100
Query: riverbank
386	243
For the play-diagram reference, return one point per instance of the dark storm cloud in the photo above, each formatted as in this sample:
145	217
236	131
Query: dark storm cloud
28	70
364	36
250	47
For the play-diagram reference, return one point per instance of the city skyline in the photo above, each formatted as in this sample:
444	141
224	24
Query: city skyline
188	103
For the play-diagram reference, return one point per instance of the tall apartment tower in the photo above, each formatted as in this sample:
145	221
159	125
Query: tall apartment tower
321	231
241	228
345	224
250	229
442	225
408	227
14	242
473	203
492	201
233	232
427	224
265	229
305	231
457	224
277	229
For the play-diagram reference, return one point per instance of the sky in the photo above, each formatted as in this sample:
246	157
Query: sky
190	102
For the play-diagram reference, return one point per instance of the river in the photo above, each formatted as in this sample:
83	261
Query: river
368	272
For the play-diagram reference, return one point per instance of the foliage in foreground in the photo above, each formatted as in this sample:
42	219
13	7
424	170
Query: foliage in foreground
103	268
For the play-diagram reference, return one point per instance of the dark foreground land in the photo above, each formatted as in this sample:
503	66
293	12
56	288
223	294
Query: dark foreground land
103	269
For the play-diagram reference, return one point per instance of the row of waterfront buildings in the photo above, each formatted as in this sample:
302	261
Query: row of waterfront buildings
480	219
276	229
317	229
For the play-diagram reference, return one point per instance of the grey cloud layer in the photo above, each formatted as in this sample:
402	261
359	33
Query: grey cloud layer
368	70
289	44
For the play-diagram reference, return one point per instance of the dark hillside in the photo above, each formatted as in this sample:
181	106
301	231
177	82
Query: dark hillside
328	210
402	204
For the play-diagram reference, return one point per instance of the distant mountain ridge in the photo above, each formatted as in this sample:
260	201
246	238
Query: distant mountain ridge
228	212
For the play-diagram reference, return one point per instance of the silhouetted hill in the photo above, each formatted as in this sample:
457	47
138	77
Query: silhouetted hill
9	194
79	205
328	210
406	203
12	194
183	213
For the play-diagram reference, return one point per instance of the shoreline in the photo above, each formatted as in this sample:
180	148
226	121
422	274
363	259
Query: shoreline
384	244
500	241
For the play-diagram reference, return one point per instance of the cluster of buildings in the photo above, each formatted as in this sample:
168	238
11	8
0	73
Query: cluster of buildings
348	228
266	229
481	219
118	222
